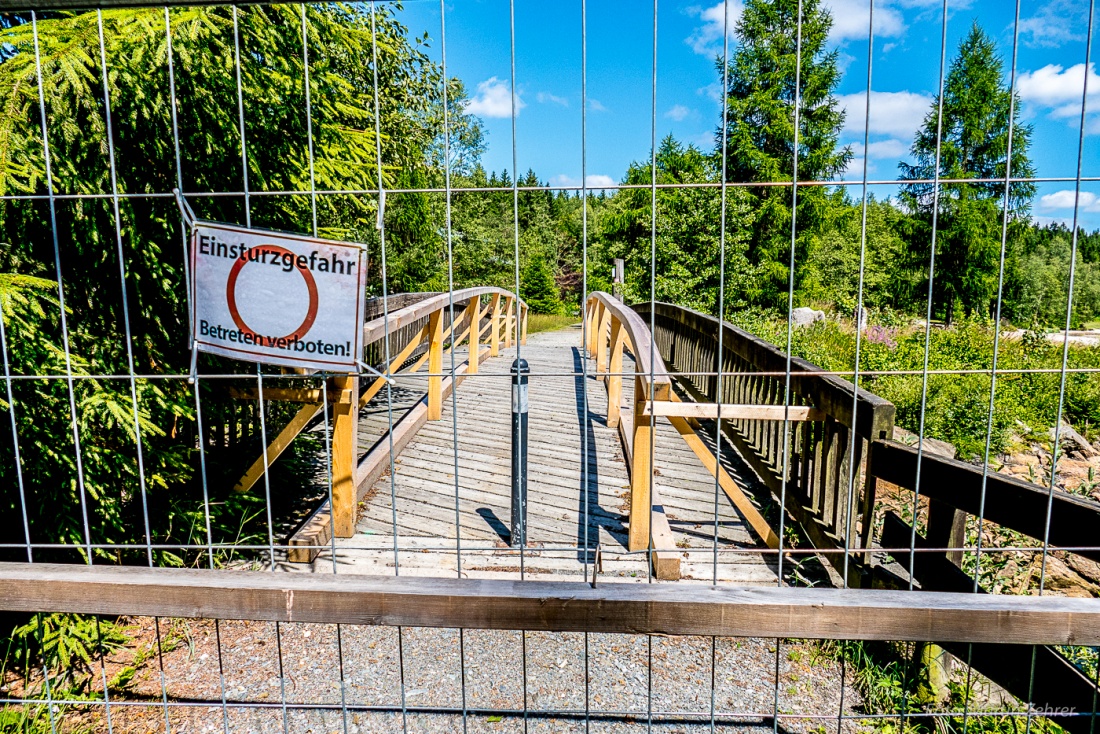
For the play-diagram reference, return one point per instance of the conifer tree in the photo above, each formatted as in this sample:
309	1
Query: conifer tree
974	145
760	129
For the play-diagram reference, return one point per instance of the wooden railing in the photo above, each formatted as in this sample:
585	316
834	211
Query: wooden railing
611	327
826	424
954	490
421	328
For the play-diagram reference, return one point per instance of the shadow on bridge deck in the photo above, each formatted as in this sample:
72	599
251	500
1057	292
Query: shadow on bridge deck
447	508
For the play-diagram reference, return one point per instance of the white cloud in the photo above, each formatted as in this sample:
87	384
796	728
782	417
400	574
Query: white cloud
493	100
1058	88
712	91
679	113
1064	199
596	106
898	114
890	148
850	19
707	38
1056	23
547	98
592	180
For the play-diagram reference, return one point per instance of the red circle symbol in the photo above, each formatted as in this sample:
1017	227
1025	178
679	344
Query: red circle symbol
231	290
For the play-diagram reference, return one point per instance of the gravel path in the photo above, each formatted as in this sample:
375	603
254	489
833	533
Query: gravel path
744	694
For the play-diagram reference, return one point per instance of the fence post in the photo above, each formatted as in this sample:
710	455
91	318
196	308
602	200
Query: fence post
494	328
614	375
641	465
435	365
345	429
508	322
473	309
601	348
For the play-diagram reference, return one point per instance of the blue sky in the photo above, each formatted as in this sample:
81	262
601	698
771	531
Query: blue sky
548	97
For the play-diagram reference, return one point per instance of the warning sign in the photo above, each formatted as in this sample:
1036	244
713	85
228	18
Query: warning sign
277	298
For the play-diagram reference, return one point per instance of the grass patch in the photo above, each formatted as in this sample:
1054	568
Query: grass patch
537	322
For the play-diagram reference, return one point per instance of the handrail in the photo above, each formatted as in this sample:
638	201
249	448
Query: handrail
612	327
814	464
649	365
376	328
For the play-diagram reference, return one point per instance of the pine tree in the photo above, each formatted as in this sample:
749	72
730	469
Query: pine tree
761	126
974	144
538	289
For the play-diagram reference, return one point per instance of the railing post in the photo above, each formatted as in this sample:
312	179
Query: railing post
345	430
615	376
473	310
494	328
435	365
641	473
523	326
593	315
601	348
508	322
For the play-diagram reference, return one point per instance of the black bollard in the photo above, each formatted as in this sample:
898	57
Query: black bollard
520	370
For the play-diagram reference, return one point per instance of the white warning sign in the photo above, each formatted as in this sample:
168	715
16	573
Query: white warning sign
277	298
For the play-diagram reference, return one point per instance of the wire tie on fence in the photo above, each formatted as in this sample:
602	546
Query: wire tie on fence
194	370
185	209
363	365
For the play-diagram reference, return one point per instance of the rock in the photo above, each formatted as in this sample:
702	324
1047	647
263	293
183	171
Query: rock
1061	577
863	320
806	316
1086	567
932	446
1074	440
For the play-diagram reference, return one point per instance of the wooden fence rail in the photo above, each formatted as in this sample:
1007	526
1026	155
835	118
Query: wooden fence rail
826	423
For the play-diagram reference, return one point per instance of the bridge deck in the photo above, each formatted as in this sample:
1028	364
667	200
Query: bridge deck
563	440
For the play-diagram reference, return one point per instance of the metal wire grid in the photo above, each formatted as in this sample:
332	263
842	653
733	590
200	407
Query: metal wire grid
714	717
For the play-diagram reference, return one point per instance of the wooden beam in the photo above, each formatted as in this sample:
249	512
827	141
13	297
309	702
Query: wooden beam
345	441
735	411
646	355
615	376
1010	502
494	330
664	557
641	475
674	609
311	395
473	328
435	365
300	420
509	322
602	344
737	496
377	328
315	531
523	326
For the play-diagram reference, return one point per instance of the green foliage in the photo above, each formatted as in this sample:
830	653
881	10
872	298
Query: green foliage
689	237
761	132
971	141
538	288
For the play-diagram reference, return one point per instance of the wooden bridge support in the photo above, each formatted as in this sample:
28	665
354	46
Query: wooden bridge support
345	440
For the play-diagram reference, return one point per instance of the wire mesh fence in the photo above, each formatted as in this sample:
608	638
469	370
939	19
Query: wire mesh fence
695	438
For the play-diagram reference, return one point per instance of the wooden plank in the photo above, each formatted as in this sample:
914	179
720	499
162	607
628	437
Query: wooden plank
300	420
345	439
615	378
664	557
316	531
743	504
494	326
641	474
733	411
473	318
312	395
1010	502
435	365
675	609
